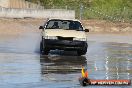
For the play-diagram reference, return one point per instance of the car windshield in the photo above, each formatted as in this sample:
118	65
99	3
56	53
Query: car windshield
64	24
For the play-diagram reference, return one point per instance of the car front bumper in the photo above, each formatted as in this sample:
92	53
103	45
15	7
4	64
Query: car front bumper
64	44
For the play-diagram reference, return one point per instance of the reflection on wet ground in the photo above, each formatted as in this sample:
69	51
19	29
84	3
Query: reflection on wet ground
63	69
114	60
62	64
21	66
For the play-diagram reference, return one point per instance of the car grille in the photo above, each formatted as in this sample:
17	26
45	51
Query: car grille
65	38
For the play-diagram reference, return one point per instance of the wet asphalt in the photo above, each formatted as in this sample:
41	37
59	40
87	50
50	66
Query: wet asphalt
22	66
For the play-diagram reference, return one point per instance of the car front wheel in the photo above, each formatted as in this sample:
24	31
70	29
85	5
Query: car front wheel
83	51
43	49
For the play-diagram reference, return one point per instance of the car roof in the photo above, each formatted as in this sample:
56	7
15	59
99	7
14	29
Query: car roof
63	19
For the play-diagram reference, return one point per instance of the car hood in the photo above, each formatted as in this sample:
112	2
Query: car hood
64	33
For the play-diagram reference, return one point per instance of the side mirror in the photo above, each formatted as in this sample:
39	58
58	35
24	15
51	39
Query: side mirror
86	30
41	27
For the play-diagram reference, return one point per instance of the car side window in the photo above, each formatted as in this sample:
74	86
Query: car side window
79	26
75	25
49	24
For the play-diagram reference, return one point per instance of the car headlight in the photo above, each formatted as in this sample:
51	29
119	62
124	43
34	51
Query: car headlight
80	39
50	37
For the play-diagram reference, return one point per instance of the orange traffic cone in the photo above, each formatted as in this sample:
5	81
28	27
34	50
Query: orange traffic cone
84	80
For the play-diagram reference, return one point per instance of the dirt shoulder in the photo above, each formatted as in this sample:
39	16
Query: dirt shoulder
18	26
12	26
107	26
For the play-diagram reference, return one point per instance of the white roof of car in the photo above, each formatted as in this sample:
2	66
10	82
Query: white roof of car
63	19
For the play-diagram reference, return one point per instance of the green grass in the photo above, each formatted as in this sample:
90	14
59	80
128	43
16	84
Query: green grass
119	9
113	10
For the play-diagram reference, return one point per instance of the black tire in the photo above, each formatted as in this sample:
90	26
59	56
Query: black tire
85	81
43	49
82	51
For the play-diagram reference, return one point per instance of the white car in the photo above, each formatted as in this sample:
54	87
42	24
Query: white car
63	34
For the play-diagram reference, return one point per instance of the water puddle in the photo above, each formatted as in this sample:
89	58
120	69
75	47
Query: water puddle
21	65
